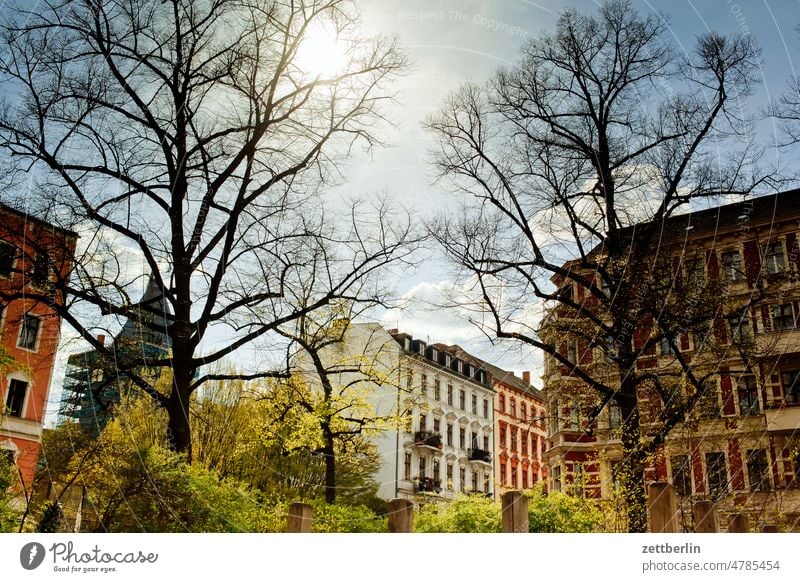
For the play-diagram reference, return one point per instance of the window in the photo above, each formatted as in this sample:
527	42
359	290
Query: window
485	408
422	467
462	478
485	442
462	437
501	404
29	332
450	394
572	352
732	265
450	476
462	400
695	272
524	479
773	258
486	484
513	408
574	417
474	480
578	479
782	317
474	404
524	443
513	476
7	255
502	474
708	402
616	476
790	381
97	375
423	421
473	441
40	274
436	469
523	411
503	437
513	440
748	396
665	344
758	470
717	475
437	425
565	293
614	416
449	435
409	379
557	478
424	384
437	390
681	474
15	398
740	327
407	465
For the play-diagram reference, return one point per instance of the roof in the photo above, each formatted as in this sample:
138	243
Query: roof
498	374
748	213
4	208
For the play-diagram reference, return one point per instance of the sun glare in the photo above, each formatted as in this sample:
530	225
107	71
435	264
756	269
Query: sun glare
321	52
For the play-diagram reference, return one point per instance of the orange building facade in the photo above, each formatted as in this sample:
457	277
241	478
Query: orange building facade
519	411
34	255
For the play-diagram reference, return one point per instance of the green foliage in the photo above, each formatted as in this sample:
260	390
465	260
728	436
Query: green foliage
557	512
338	518
52	520
465	514
9	515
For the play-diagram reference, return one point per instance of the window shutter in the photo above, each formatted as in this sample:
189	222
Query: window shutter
752	261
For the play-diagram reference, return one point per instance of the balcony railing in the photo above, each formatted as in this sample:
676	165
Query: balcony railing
427	485
480	455
426	438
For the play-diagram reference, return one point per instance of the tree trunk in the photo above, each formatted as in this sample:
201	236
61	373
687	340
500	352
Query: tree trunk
633	458
179	435
330	466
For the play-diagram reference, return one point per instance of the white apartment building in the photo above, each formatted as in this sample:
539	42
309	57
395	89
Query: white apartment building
443	446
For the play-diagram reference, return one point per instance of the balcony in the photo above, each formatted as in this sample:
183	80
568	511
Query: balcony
426	438
427	485
785	420
480	456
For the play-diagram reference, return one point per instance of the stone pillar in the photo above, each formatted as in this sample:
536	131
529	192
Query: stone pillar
401	516
705	517
301	516
738	523
515	512
662	508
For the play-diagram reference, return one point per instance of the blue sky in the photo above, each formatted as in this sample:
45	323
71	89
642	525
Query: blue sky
456	41
453	41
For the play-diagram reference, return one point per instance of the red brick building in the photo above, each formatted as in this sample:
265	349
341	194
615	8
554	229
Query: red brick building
740	445
33	256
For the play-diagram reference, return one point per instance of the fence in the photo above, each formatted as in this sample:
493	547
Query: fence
401	515
664	517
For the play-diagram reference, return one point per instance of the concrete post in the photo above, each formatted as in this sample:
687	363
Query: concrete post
705	517
515	512
738	523
663	508
301	516
401	516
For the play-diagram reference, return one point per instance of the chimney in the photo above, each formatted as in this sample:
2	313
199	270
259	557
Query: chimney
101	339
526	376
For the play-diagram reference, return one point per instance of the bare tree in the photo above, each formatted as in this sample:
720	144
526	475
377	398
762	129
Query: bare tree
602	125
198	137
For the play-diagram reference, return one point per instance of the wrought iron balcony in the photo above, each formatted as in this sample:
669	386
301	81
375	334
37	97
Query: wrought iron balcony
427	485
480	455
426	438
